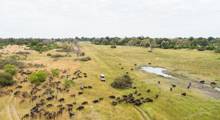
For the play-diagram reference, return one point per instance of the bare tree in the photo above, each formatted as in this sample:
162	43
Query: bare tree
77	49
151	45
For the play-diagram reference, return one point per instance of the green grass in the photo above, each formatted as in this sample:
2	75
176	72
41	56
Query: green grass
169	106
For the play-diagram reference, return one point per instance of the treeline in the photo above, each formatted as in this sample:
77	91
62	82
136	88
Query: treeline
37	44
200	43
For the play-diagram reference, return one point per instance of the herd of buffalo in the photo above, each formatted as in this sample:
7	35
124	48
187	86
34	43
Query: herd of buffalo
48	103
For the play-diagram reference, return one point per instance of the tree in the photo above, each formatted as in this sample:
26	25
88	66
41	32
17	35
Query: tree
77	48
217	48
122	82
145	43
38	77
164	44
152	44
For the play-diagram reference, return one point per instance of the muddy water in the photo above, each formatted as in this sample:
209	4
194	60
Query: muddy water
157	70
218	89
206	88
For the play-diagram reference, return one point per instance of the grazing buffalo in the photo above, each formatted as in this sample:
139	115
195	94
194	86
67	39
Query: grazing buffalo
17	93
95	101
183	94
189	85
49	105
173	85
72	95
158	82
90	87
50	98
157	95
202	81
60	105
18	87
84	103
148	100
112	97
80	93
61	100
171	89
213	83
80	108
100	99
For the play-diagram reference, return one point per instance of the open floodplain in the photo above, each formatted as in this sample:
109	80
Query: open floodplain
192	93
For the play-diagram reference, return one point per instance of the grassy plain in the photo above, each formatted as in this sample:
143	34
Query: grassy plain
197	105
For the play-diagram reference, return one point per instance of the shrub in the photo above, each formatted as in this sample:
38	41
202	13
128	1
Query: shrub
210	48
13	60
11	69
55	72
48	54
113	46
68	83
217	50
38	77
122	82
6	79
42	47
201	49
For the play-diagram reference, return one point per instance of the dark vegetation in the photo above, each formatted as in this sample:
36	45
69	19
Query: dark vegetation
6	79
39	45
200	43
12	60
113	46
38	77
9	66
122	82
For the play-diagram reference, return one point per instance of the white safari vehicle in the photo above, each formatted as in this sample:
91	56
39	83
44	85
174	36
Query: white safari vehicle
102	77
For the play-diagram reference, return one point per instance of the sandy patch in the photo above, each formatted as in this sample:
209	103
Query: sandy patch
13	49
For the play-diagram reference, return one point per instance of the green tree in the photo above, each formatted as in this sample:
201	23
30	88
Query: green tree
122	82
38	77
164	44
217	46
